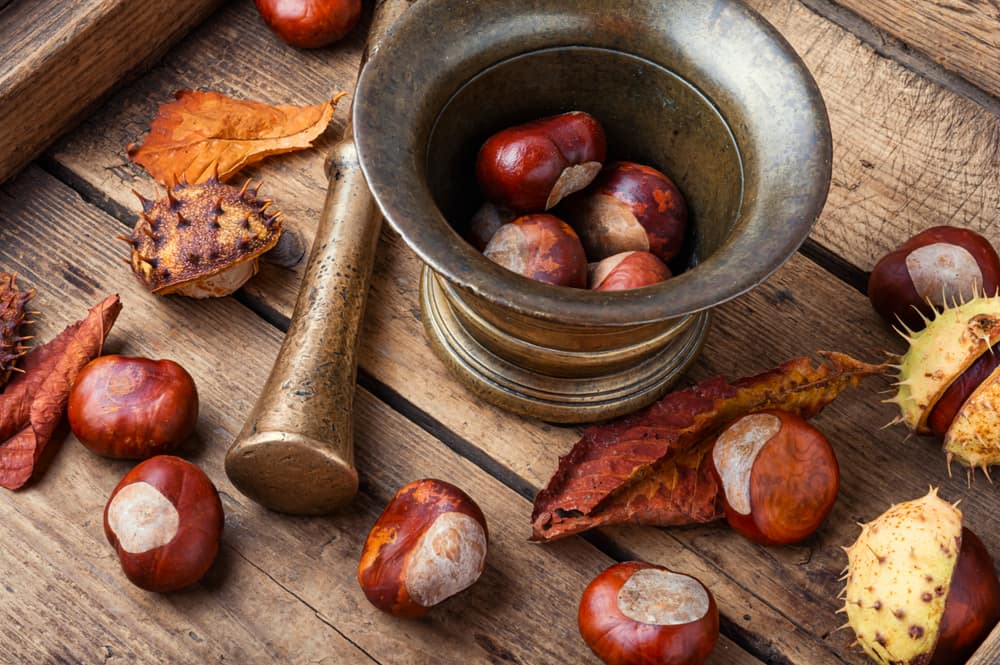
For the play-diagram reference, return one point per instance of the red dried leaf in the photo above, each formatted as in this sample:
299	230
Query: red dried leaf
34	402
651	467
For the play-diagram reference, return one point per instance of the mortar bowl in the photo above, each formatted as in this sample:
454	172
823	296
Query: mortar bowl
708	93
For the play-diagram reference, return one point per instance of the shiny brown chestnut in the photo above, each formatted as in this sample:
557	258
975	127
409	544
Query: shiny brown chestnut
531	167
637	613
779	476
972	607
540	247
486	222
629	207
941	265
132	408
427	545
164	520
310	23
628	270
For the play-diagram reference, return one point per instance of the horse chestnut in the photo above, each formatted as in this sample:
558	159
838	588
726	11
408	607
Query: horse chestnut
629	207
310	23
541	247
132	408
165	520
486	222
628	270
921	587
636	613
778	474
427	545
935	268
531	167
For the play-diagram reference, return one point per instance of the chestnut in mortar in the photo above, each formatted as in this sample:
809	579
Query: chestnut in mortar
310	23
165	521
531	167
628	270
540	247
637	613
486	222
132	408
934	268
778	474
427	545
629	207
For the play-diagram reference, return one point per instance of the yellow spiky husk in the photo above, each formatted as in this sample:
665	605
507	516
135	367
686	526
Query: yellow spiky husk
899	573
940	353
974	436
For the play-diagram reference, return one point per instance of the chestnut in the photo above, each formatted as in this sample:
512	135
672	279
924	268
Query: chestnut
531	167
952	400
427	545
628	270
165	520
972	606
778	474
540	247
132	408
936	267
310	23
486	222
638	613
629	207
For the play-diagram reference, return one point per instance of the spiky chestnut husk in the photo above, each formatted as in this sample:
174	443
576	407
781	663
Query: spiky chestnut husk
919	584
12	312
202	240
938	356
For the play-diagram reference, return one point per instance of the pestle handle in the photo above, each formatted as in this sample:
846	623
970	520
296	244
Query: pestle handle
295	453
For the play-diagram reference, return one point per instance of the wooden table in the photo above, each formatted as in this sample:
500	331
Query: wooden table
912	94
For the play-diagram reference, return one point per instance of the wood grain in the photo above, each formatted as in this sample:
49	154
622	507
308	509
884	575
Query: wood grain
989	652
780	601
284	589
961	35
59	58
907	153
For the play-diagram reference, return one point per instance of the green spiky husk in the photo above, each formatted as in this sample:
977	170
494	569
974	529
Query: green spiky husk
898	576
940	353
13	302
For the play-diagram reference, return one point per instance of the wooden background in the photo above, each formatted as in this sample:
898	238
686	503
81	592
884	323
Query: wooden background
911	88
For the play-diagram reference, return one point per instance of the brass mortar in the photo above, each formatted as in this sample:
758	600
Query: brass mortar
707	92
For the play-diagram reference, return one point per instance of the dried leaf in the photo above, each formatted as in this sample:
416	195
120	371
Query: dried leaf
651	467
33	404
202	134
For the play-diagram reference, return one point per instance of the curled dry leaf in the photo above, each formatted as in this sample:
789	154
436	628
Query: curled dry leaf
12	312
33	404
651	467
203	134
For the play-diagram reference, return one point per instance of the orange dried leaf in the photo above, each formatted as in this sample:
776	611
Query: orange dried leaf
202	134
33	404
651	467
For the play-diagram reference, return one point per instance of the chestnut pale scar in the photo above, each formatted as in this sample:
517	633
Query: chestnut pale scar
662	598
735	452
142	518
944	273
449	558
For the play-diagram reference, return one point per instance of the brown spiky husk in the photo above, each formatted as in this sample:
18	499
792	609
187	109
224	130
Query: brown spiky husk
189	240
13	302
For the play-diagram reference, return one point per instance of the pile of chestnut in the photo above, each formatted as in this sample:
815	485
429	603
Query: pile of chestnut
164	518
616	226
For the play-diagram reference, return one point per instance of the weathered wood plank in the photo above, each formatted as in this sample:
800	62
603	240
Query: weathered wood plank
289	581
989	652
908	154
59	58
787	594
961	35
